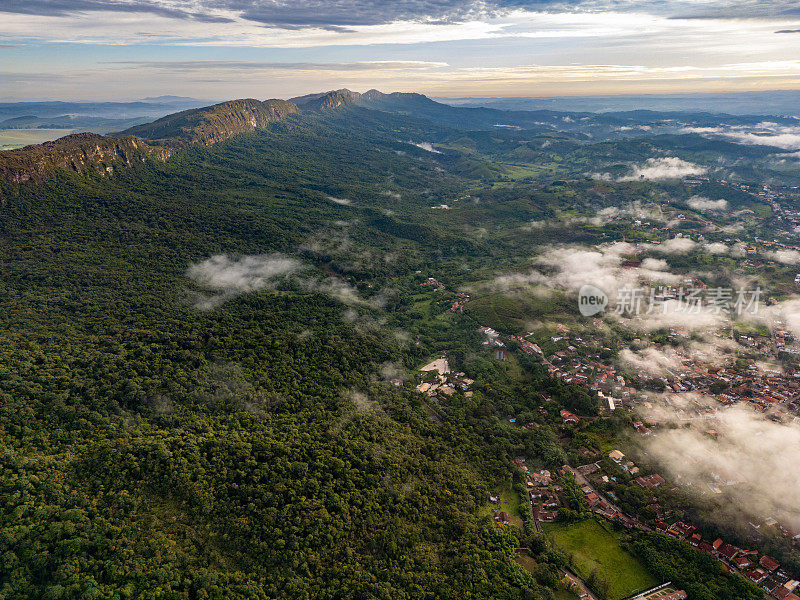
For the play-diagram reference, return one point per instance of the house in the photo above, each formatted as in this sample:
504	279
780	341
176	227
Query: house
704	546
684	529
678	595
756	575
543	477
780	592
768	563
616	455
741	562
728	551
502	517
569	418
650	481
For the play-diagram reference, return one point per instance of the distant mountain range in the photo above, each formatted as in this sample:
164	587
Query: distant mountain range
209	125
786	103
97	117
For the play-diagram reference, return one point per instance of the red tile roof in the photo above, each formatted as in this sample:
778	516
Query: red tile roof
768	563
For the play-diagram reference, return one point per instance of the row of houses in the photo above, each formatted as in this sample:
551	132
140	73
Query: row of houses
763	571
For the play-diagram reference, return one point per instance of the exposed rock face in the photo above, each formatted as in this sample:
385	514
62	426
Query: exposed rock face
213	124
371	99
326	100
86	152
80	152
89	152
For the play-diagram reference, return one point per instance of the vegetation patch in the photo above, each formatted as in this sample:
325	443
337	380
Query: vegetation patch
597	557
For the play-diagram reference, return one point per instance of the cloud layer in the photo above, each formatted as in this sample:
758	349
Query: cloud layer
349	13
748	459
223	278
669	167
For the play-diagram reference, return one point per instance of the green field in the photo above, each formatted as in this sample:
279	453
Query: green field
16	138
594	546
509	502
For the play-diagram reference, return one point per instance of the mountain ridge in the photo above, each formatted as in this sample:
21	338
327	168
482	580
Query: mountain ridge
213	124
204	126
84	152
79	152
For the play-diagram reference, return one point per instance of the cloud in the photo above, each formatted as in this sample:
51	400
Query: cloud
703	203
783	315
787	257
60	8
673	314
224	278
650	360
672	246
346	14
229	277
333	287
716	248
569	268
245	65
669	167
765	133
342	201
655	264
743	458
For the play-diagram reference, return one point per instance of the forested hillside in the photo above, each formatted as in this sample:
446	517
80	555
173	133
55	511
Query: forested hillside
205	361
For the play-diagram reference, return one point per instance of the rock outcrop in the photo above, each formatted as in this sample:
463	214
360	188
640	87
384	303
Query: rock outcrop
213	124
80	152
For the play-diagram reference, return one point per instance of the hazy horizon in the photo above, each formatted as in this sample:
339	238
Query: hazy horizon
136	48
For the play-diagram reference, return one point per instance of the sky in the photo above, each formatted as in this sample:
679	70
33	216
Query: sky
222	49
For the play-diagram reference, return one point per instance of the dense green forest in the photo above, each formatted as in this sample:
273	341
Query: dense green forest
155	447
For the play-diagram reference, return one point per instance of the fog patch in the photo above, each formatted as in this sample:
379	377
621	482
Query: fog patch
650	360
674	245
707	204
669	167
569	268
227	277
746	459
716	248
765	133
223	278
786	257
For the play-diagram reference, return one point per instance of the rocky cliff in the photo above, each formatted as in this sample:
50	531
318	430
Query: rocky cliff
86	152
80	152
213	124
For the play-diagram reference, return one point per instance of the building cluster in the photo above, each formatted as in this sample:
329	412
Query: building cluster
763	571
445	382
545	497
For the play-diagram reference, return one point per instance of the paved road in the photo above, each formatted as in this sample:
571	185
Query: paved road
583	481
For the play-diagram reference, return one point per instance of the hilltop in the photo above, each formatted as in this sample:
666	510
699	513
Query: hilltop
215	123
80	152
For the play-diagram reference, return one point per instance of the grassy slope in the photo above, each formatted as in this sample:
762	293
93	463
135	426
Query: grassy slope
592	546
